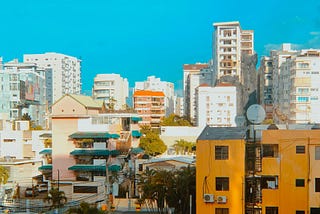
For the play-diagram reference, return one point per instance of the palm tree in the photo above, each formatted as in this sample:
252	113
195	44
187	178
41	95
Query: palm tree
56	198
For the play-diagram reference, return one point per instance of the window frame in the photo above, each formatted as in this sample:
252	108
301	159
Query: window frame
300	149
221	152
222	184
300	182
317	184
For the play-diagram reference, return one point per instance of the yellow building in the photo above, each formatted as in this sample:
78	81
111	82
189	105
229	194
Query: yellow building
220	170
272	171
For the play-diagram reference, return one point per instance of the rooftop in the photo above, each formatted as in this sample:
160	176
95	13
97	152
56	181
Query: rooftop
148	93
222	133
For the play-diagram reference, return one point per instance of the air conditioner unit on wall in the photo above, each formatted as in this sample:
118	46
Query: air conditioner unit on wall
208	198
221	199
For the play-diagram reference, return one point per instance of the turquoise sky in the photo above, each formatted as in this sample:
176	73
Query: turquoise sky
139	38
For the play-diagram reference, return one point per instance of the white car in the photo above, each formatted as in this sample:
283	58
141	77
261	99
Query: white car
42	187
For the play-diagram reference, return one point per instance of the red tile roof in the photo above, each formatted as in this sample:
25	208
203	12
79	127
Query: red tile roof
148	93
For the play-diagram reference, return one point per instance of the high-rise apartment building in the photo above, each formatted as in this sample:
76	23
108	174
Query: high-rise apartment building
179	106
22	90
155	84
112	89
193	76
150	106
230	42
216	106
63	73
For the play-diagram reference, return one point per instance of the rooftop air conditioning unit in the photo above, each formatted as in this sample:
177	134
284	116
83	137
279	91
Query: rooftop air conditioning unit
208	198
222	199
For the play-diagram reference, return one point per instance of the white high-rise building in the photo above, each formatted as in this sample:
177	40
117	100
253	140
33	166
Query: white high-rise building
179	106
216	106
230	42
300	77
63	73
193	76
22	90
111	88
155	84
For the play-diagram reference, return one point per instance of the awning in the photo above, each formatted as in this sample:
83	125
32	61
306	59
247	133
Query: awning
114	152
94	168
46	135
45	167
136	119
90	152
46	152
115	136
136	133
137	150
90	135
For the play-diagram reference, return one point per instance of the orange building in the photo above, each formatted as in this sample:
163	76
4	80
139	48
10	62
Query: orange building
272	171
150	106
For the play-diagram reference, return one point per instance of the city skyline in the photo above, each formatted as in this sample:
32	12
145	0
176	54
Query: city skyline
142	38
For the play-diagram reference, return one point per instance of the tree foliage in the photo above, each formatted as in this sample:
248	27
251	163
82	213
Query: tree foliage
183	147
4	175
85	208
161	187
174	120
151	143
26	116
56	197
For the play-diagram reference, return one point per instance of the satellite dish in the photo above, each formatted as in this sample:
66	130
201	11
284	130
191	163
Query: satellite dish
256	114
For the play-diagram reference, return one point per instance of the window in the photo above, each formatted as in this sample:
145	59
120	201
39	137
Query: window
317	151
269	182
299	212
85	189
300	149
221	152
271	210
270	150
222	183
222	211
317	184
299	182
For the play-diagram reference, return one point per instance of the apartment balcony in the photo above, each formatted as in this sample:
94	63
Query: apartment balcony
45	168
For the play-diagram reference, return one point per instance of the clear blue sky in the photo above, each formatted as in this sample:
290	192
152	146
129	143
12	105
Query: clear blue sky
139	38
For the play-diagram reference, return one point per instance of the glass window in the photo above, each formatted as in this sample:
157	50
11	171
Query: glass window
317	152
221	152
271	210
317	184
222	211
270	150
222	183
300	149
299	182
299	212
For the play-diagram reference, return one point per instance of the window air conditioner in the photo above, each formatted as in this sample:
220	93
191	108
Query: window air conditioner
222	199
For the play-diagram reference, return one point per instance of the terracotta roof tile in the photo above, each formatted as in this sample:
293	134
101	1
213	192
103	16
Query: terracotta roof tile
148	93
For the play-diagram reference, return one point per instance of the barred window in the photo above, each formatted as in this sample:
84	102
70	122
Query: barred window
221	153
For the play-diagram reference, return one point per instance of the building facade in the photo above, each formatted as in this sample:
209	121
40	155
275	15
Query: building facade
193	76
230	42
112	89
63	73
155	84
216	106
22	91
260	171
150	106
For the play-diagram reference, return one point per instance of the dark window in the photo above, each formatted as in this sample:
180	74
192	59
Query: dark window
271	210
300	149
222	211
85	189
140	167
299	182
317	185
317	152
270	150
222	184
299	212
314	210
221	153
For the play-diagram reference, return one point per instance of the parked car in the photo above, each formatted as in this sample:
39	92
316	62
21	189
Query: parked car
42	187
30	192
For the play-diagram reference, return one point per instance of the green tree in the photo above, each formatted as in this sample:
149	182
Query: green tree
26	116
151	143
174	120
172	187
84	208
56	197
182	146
4	175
